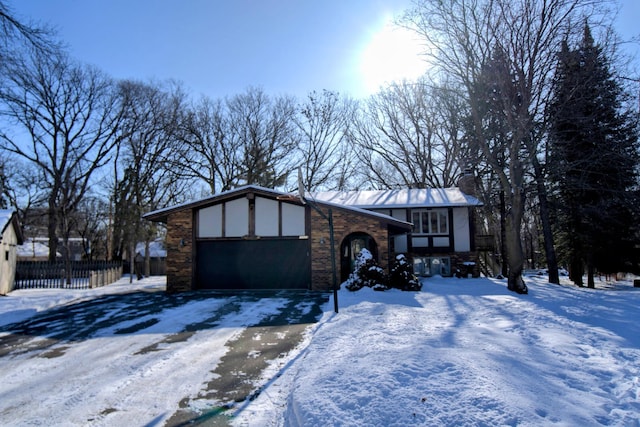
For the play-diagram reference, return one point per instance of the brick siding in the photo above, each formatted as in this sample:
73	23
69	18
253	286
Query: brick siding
344	224
180	262
180	250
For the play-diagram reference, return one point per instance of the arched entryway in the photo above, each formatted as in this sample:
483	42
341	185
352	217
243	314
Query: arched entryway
351	247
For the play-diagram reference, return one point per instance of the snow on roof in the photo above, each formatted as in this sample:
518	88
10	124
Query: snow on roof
156	249
5	218
8	216
160	214
398	198
33	249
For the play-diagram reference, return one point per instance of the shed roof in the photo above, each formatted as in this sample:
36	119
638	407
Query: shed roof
398	198
9	216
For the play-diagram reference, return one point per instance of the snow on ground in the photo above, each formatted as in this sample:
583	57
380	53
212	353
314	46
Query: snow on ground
460	352
466	352
24	303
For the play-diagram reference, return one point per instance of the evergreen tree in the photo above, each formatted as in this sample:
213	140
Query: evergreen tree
402	276
594	152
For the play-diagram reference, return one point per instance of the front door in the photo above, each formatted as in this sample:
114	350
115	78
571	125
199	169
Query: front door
351	247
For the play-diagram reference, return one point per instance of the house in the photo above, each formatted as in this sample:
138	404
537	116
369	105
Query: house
259	238
34	250
441	241
10	238
157	258
37	249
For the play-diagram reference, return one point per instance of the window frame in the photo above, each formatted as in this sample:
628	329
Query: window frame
432	218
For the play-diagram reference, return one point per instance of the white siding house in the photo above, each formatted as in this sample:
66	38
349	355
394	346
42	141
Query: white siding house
442	239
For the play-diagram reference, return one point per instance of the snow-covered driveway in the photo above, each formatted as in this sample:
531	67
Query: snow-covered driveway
142	358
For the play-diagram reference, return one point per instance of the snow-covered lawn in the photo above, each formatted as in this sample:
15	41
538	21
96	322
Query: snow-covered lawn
460	352
467	352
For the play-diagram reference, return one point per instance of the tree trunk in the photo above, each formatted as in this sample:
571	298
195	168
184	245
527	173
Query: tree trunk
132	261
576	270
513	243
52	227
590	273
147	258
504	258
547	233
67	259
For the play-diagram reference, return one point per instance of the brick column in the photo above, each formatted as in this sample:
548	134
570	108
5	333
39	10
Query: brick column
180	249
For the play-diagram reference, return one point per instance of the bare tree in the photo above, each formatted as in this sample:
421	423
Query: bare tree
70	114
322	122
521	36
145	177
209	154
261	127
92	225
409	134
17	36
245	139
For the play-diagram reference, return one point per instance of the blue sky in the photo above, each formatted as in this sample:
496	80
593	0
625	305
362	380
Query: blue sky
221	47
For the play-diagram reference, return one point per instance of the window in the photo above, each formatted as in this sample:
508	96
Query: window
434	221
432	266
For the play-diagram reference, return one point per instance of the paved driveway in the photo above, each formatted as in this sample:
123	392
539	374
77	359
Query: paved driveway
268	325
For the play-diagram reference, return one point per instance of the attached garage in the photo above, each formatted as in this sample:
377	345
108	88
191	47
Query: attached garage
252	241
253	264
258	238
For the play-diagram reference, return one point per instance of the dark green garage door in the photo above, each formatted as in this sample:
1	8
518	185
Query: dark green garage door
253	264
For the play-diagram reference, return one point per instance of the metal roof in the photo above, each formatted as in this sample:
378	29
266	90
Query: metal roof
398	198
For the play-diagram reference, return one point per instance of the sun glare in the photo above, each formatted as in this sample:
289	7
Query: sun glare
391	54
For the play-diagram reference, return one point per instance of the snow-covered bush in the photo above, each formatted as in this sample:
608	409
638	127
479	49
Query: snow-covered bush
402	276
368	273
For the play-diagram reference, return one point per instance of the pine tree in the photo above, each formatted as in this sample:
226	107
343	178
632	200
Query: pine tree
593	156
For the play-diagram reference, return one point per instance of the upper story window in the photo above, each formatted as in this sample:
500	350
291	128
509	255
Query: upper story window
435	221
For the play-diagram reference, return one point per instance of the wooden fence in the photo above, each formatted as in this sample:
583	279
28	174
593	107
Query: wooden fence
83	274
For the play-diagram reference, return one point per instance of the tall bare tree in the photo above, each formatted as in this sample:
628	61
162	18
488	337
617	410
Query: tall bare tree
208	153
323	122
409	135
464	38
248	138
17	36
71	114
145	177
16	39
263	130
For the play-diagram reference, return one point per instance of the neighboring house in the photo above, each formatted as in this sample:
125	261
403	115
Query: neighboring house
258	238
10	238
156	249
441	241
37	249
157	258
32	250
